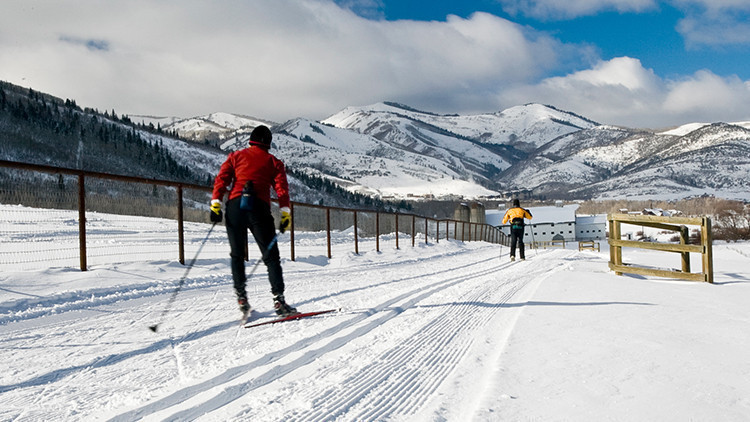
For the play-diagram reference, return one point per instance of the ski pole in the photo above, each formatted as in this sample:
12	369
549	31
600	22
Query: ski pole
533	241
182	281
268	249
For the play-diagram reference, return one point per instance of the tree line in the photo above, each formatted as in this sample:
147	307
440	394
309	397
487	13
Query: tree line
35	127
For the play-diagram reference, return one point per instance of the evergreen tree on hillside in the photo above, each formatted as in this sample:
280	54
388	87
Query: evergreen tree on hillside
36	128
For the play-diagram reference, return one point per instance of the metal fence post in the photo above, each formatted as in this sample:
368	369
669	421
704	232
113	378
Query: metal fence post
291	229
356	241
396	217
82	221
377	232
413	229
328	231
180	227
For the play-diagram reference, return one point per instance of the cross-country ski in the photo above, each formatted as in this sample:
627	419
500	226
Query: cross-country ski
290	317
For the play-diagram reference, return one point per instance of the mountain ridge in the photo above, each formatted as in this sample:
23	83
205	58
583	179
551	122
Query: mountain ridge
539	148
392	150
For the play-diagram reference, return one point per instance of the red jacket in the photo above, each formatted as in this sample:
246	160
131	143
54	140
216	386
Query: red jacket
256	164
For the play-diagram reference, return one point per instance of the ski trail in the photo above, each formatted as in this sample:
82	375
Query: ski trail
330	339
405	376
414	368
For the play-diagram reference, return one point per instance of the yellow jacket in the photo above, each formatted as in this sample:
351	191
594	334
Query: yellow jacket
516	212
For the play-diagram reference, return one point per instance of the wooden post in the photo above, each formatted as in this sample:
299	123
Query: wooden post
180	227
615	252
82	222
684	240
426	231
437	231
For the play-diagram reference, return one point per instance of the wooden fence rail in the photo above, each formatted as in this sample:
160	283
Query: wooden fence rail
676	224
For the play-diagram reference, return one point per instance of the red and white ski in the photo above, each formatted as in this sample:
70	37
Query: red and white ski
289	318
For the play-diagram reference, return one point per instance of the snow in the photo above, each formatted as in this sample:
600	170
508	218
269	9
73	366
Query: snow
369	165
442	331
684	129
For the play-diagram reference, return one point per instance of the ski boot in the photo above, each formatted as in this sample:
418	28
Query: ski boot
282	309
512	258
244	306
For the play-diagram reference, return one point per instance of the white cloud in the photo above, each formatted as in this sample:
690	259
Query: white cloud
275	59
714	22
280	59
708	95
621	91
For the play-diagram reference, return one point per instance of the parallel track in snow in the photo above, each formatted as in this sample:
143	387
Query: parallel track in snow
403	376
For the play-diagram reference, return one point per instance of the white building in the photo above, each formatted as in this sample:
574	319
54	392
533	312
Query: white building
591	227
555	223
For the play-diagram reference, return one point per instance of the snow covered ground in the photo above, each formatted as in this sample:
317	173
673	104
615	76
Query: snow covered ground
436	332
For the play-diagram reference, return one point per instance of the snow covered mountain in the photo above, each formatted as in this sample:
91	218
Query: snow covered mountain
362	163
392	150
212	129
609	162
521	128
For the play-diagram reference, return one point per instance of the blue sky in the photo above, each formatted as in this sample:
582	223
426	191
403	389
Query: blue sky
637	63
651	35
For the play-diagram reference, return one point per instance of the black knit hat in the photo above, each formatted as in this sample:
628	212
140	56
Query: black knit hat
516	203
261	136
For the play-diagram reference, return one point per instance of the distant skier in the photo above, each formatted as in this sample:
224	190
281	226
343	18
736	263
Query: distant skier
516	216
249	174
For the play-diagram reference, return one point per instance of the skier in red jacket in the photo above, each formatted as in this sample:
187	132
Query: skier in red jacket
249	174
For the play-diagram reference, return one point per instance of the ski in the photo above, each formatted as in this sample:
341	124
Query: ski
291	317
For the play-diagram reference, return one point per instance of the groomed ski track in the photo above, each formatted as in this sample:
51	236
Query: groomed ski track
418	337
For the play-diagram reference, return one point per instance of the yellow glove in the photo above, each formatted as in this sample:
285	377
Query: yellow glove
216	214
286	219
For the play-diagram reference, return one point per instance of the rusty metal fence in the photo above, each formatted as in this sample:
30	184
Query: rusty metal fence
93	217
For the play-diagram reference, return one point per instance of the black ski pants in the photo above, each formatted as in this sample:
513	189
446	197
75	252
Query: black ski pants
516	238
260	223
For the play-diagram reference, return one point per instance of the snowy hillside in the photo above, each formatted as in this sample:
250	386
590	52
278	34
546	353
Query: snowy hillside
523	127
362	163
390	149
607	162
449	331
212	128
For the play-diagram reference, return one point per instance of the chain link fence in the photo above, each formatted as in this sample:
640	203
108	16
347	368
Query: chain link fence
57	217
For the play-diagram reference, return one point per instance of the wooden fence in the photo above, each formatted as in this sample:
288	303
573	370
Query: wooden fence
675	224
